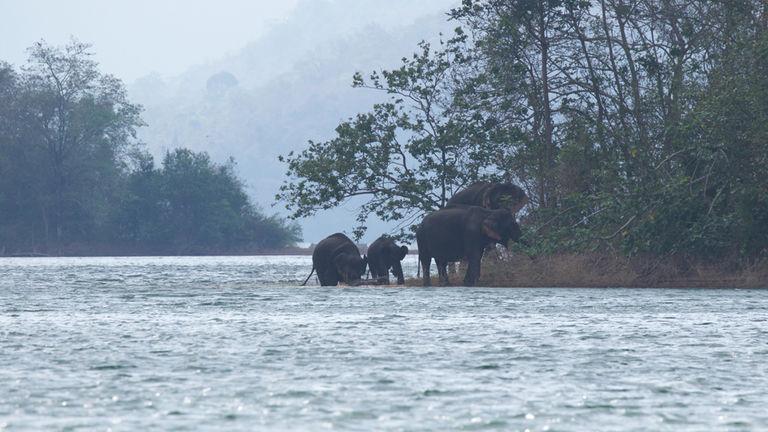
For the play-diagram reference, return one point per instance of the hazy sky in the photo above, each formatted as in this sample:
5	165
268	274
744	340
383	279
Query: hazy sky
134	37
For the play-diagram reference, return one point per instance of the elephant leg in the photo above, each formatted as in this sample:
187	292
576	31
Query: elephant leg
442	270
453	268
321	277
328	278
473	270
425	260
397	271
384	274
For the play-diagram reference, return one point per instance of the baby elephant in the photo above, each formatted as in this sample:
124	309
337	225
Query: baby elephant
337	259
383	255
462	232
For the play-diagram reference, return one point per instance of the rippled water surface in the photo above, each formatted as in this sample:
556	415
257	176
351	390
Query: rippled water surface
234	344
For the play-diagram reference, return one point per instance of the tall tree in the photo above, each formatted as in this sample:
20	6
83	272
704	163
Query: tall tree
516	43
633	124
78	123
74	178
193	205
405	157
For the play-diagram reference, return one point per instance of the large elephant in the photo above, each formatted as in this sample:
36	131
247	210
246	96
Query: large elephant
462	232
337	259
384	254
492	196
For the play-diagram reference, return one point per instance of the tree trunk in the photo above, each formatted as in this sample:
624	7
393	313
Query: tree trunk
549	151
600	122
621	102
637	108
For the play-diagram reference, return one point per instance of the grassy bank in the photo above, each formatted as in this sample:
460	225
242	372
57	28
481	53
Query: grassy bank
604	270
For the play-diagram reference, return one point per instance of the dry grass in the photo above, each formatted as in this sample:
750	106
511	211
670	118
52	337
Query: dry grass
604	270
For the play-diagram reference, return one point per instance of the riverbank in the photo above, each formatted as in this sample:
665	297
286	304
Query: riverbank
518	270
607	271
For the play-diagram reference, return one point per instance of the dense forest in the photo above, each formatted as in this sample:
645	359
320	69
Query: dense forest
635	126
75	180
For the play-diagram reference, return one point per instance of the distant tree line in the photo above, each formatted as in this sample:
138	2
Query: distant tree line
639	126
73	177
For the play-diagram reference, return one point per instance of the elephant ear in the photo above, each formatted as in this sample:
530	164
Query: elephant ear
403	252
490	229
338	261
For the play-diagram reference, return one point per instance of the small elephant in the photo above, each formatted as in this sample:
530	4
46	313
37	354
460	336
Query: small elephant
337	259
462	232
491	196
384	254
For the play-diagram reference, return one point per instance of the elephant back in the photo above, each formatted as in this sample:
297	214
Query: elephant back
491	196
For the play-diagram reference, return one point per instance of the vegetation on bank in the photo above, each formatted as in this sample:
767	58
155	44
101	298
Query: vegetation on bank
638	128
611	270
75	180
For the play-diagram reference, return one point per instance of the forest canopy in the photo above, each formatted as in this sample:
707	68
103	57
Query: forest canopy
74	178
639	126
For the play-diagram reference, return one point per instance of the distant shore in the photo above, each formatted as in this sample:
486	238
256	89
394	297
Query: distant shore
114	252
99	250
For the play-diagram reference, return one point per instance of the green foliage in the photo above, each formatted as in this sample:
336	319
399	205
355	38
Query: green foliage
66	127
193	205
406	157
636	126
67	145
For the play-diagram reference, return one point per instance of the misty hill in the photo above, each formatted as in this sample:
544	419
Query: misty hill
291	85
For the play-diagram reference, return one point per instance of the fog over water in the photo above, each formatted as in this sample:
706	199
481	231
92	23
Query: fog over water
292	63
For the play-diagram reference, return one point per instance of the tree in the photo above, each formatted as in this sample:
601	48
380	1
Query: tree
517	82
193	205
635	125
76	124
73	176
405	157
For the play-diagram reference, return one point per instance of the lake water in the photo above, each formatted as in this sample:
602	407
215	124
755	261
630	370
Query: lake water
232	343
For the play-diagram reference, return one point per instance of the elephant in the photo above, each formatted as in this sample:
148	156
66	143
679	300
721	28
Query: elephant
491	196
383	255
462	232
337	259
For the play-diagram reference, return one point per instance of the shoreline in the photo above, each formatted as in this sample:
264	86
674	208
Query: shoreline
554	271
123	253
679	284
609	271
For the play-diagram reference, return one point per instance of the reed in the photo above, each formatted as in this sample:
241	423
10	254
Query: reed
608	270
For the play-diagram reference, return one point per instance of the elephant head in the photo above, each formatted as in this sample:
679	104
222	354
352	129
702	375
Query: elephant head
384	255
402	251
350	267
500	226
504	196
397	268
